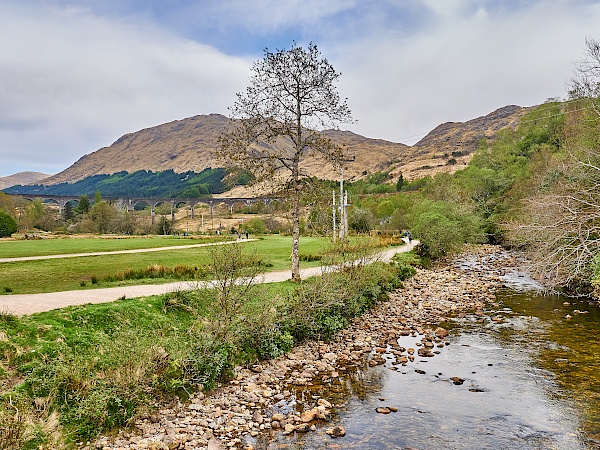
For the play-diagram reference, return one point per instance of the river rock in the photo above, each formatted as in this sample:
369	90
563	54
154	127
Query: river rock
425	352
272	390
440	332
323	402
308	416
336	432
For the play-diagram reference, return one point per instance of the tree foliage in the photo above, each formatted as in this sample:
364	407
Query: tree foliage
291	95
144	184
7	204
8	225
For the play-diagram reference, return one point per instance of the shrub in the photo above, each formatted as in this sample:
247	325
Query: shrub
207	362
8	226
360	220
321	306
179	271
443	228
255	226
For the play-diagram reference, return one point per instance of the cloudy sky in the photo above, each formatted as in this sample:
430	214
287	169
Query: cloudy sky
75	75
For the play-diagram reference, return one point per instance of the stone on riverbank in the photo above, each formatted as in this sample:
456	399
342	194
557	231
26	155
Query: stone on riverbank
268	397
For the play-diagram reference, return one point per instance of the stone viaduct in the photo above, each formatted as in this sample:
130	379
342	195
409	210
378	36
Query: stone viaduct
153	202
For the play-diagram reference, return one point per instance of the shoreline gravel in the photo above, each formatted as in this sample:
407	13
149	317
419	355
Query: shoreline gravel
262	400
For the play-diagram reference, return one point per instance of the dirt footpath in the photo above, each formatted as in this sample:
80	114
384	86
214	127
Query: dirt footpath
23	304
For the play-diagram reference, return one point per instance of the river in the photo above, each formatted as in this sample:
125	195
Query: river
524	376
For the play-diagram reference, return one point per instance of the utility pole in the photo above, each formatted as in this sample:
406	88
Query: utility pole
333	210
343	201
346	204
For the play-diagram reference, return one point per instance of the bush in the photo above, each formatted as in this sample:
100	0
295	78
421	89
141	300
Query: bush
321	306
8	226
208	362
360	220
443	228
255	226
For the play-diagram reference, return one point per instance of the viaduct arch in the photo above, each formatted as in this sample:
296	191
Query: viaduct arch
130	202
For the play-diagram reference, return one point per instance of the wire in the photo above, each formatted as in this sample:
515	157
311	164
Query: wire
520	122
555	115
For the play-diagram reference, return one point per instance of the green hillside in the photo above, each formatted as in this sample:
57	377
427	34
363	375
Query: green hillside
144	184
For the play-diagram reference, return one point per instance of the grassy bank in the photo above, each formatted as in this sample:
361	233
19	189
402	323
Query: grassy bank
69	374
54	275
76	244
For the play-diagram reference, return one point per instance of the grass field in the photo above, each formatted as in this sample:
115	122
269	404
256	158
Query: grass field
54	275
78	371
70	245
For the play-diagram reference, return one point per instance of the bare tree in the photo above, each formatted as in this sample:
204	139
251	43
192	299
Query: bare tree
291	96
563	225
586	81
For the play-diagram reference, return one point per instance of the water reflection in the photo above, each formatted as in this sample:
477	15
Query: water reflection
568	348
530	382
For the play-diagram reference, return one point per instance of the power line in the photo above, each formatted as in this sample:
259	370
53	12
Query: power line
520	122
556	115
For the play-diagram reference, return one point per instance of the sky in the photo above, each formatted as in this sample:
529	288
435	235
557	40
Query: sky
76	75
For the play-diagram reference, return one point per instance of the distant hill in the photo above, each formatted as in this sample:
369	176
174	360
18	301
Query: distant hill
22	178
143	184
189	145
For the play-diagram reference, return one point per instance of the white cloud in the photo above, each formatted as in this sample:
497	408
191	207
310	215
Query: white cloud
69	79
458	69
73	79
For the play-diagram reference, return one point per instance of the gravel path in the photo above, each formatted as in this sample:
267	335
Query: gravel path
22	304
119	252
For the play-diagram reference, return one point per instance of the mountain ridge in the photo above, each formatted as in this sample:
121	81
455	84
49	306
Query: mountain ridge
24	178
190	144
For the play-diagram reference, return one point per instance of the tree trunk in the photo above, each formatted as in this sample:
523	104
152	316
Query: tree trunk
295	234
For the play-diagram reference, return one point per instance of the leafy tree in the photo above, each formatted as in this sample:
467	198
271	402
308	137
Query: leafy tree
68	212
39	215
444	227
8	225
7	204
255	226
385	209
399	183
103	214
360	220
291	94
84	205
97	198
164	225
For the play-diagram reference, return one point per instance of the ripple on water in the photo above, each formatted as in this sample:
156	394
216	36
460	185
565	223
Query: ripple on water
505	401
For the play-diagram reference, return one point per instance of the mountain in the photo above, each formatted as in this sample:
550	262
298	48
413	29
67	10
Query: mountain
22	178
189	145
450	146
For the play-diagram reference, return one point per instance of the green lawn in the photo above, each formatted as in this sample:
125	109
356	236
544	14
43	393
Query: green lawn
67	245
53	275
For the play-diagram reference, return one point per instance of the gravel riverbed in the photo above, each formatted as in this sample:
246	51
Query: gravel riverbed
263	400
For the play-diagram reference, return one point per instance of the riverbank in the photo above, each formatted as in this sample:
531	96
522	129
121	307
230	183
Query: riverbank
275	396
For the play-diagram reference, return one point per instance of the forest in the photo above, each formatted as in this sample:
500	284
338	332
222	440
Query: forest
166	184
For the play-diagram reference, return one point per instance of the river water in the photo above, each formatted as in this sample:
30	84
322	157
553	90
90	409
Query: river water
531	381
